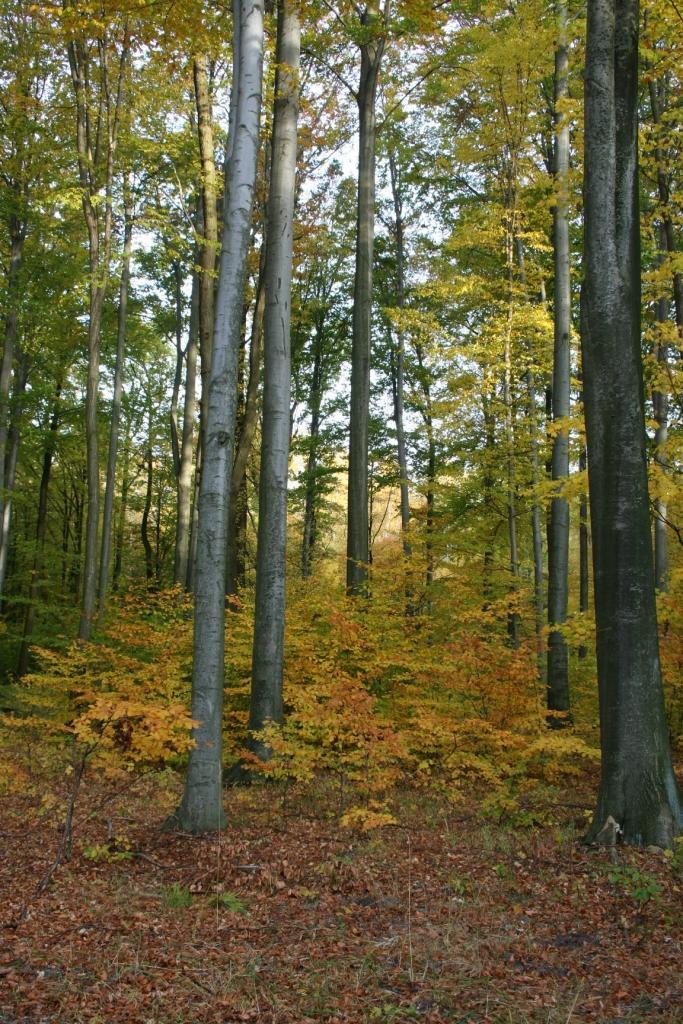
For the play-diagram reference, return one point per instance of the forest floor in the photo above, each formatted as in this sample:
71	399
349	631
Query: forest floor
286	917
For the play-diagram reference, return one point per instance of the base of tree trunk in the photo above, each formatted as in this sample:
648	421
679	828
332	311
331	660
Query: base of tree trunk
650	816
202	817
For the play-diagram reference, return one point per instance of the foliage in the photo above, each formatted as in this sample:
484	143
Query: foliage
122	700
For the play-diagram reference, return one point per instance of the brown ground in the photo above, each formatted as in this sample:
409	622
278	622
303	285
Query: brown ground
289	918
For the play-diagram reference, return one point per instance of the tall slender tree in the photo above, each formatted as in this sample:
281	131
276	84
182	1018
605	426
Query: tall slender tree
373	35
201	809
110	485
638	790
269	623
558	529
96	140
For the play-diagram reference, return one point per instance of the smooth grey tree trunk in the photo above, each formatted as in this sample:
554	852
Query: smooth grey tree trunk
358	538
558	527
147	507
638	789
110	485
184	481
269	621
209	222
201	809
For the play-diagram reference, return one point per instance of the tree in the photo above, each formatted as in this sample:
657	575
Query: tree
638	789
201	809
269	622
116	399
558	527
96	139
373	29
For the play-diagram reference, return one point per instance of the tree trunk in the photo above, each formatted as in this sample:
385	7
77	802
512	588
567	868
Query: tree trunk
358	546
487	488
41	528
201	809
96	172
184	482
398	358
269	621
178	376
121	524
110	486
248	421
144	524
660	404
536	530
310	504
10	469
583	547
209	221
513	615
558	528
638	789
17	235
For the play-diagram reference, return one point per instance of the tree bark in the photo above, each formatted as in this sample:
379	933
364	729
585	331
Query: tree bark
178	376
248	421
358	541
110	485
147	508
660	405
10	468
269	621
184	480
121	524
310	530
583	547
558	527
201	809
638	789
513	615
209	221
398	358
17	232
95	180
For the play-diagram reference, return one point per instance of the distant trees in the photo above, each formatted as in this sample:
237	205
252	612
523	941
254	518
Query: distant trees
416	315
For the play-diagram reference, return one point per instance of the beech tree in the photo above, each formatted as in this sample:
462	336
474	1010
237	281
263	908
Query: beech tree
201	809
96	86
269	622
373	30
638	793
558	527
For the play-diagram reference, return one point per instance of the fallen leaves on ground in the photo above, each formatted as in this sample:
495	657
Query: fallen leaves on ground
286	917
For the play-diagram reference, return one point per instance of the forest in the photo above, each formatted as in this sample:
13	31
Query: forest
341	511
